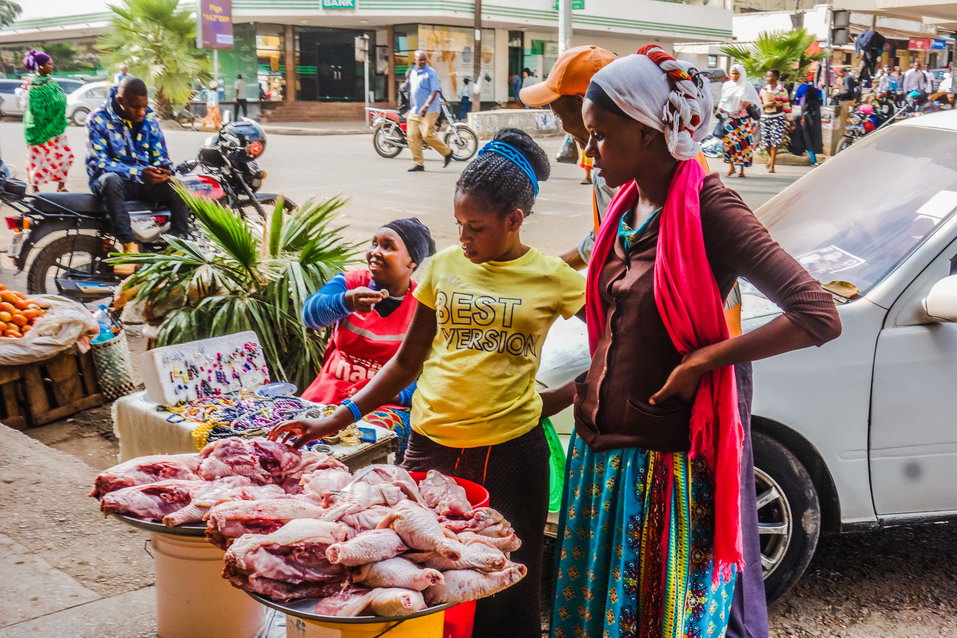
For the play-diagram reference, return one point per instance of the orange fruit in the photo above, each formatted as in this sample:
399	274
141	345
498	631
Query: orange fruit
20	305
18	320
16	334
25	329
31	314
7	306
2	287
5	316
8	296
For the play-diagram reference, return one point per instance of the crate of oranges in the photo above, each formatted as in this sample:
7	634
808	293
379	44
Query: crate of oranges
18	313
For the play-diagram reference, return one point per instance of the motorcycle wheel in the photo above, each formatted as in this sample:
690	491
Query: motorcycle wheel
84	253
383	146
845	143
465	146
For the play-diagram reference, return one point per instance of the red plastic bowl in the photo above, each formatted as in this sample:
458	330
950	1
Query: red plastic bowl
475	493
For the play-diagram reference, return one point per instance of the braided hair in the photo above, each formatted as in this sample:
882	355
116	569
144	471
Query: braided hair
498	182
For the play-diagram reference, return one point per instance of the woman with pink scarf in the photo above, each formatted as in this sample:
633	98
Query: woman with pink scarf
650	528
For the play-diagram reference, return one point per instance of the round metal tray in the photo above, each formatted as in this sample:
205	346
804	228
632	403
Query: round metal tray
302	608
195	530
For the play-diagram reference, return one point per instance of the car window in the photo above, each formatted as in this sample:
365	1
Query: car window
9	86
98	93
868	208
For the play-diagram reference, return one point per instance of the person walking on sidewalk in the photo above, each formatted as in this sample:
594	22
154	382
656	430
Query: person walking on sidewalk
242	104
424	90
49	156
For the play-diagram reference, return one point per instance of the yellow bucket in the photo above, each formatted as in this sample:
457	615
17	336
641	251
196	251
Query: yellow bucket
422	627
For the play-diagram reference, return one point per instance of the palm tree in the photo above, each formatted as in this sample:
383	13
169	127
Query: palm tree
158	42
9	10
234	277
786	51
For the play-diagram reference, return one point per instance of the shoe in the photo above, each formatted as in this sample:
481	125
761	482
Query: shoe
585	181
416	169
125	270
448	160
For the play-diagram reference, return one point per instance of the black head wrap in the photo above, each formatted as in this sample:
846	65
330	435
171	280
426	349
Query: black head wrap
597	95
416	236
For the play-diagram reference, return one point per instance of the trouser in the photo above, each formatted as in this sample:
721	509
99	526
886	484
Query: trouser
464	107
242	105
749	607
422	129
115	190
516	475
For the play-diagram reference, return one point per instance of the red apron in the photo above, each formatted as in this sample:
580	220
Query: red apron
361	344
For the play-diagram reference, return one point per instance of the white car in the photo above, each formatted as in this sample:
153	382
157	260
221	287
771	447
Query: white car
86	99
861	433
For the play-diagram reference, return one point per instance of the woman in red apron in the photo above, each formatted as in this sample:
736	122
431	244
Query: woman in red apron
371	310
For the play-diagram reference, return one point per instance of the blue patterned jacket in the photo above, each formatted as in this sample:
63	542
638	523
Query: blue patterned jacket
112	149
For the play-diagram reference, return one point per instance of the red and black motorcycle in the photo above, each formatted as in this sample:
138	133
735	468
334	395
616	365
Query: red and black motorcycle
389	134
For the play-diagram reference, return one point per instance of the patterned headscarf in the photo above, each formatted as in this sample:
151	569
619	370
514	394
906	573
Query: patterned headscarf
33	60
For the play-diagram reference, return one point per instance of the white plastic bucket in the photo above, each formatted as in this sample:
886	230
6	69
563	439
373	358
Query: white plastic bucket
193	599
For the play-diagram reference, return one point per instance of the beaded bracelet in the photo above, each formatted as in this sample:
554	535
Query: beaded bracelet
356	412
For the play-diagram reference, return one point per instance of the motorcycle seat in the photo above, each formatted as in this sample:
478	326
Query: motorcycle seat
84	203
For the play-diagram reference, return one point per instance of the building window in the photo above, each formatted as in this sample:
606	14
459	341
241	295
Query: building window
451	53
270	69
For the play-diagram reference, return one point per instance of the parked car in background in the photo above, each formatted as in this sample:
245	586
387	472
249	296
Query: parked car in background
81	102
9	91
938	76
857	434
716	77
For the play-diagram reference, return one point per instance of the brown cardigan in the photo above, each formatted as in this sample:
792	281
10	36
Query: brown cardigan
635	355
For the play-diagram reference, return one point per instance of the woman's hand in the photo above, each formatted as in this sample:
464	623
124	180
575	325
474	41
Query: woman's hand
683	380
305	429
555	400
362	299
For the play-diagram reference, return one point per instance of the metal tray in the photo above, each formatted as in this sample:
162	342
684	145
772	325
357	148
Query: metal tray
195	530
302	608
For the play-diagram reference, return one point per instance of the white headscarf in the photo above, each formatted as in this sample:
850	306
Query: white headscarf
733	93
642	90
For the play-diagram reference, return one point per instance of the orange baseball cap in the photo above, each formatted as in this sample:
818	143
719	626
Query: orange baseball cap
571	74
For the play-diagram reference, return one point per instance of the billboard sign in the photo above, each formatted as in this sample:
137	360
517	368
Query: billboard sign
927	44
214	24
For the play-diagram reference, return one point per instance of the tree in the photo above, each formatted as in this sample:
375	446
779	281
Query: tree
786	51
9	10
234	277
157	40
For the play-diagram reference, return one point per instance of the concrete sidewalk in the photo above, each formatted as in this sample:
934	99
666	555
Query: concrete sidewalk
358	127
66	571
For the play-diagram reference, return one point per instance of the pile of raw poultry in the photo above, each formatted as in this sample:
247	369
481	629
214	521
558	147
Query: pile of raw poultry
300	525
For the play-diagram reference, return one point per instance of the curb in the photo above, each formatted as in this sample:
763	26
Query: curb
292	130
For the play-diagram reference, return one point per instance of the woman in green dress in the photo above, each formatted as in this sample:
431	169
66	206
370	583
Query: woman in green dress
49	156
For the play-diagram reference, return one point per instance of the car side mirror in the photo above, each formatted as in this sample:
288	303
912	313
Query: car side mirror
941	302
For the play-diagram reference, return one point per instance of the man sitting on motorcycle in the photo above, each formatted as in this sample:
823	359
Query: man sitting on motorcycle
127	160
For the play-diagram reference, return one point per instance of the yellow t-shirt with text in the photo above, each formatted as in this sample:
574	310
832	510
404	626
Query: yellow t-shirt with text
477	385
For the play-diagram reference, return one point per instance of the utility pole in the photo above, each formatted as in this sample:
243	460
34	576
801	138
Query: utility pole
477	54
564	25
365	69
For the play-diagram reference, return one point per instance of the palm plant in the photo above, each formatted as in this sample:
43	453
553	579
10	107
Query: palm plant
235	277
9	11
157	40
786	51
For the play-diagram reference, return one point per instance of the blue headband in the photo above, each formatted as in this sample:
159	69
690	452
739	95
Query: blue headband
515	156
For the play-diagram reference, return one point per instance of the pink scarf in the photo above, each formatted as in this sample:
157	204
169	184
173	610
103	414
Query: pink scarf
691	307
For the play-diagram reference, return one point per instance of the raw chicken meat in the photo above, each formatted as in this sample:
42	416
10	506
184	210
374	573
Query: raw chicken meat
419	529
146	469
231	488
380	602
474	555
262	461
392	475
397	572
462	585
366	519
359	496
510	543
295	554
319	485
484	521
367	547
228	521
152	501
443	495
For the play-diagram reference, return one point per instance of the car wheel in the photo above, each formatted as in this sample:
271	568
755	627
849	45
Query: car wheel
789	514
80	116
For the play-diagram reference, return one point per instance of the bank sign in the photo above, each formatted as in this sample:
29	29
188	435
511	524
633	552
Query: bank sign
927	44
214	24
338	4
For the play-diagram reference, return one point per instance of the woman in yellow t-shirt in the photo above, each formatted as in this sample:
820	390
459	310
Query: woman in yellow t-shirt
476	338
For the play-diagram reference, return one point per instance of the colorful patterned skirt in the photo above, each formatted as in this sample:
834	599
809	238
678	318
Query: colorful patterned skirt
50	161
772	130
738	141
393	418
637	548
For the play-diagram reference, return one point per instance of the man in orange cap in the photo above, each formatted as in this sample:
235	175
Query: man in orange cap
564	91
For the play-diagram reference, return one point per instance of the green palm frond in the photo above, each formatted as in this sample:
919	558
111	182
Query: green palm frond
782	50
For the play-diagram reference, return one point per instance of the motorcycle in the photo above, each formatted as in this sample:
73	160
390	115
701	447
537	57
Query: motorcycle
865	119
389	132
73	263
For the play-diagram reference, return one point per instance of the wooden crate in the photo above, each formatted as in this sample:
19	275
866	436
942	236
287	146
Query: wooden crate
39	393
